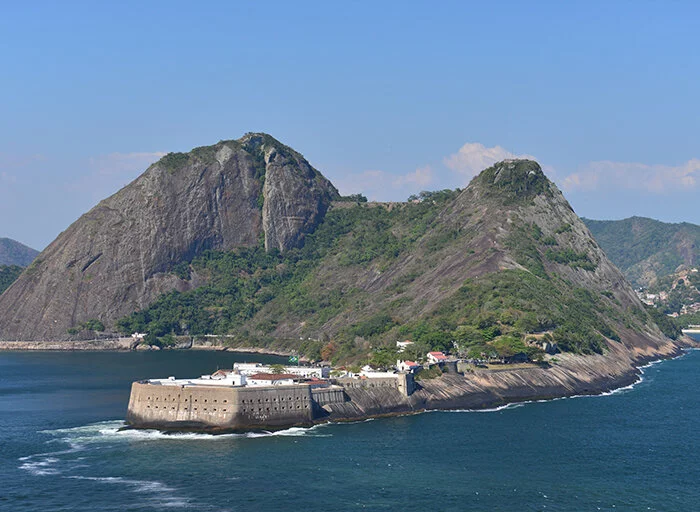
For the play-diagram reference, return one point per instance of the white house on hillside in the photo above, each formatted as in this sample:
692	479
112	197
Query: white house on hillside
436	357
407	366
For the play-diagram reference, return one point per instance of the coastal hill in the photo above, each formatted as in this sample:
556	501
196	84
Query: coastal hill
118	256
15	253
647	249
246	239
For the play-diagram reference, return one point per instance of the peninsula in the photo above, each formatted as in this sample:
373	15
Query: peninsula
247	243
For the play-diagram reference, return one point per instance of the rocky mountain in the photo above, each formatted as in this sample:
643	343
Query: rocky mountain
15	253
505	261
118	257
245	239
647	249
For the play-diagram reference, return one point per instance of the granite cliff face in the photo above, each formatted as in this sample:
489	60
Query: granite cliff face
116	258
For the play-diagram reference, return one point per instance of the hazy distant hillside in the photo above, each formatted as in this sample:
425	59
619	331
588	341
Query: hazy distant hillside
15	253
647	249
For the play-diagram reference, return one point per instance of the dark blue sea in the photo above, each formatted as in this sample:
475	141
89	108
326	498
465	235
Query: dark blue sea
61	449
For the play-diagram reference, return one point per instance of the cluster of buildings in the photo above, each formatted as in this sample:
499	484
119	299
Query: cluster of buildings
256	375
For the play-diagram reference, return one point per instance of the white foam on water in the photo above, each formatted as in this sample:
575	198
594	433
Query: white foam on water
78	438
41	467
159	494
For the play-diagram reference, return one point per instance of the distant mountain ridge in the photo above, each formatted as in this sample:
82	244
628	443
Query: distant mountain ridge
647	249
16	253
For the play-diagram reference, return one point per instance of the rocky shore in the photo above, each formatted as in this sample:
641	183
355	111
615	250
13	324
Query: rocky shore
569	375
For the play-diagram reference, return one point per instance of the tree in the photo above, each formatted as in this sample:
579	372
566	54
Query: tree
328	350
277	368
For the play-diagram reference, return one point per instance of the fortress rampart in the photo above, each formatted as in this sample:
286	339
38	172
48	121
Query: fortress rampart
219	408
154	404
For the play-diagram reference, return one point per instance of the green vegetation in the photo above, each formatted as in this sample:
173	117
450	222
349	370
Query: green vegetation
432	373
646	249
90	325
8	275
241	283
353	198
669	326
516	302
515	181
174	161
572	258
257	295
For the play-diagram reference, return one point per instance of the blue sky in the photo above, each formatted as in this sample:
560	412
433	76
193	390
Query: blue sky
385	98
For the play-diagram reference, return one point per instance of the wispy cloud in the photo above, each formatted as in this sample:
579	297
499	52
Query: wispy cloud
421	177
655	179
385	186
474	157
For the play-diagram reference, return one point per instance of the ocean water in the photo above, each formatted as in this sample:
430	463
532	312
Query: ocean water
61	449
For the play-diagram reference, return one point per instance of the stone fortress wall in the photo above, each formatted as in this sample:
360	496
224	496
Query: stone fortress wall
154	405
225	407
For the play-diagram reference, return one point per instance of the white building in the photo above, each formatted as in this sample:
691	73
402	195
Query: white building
271	379
403	345
308	372
436	357
220	378
407	366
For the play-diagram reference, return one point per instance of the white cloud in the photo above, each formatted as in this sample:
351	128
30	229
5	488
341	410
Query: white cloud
656	179
474	157
385	186
421	177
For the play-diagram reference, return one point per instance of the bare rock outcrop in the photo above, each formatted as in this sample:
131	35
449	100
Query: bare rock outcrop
118	256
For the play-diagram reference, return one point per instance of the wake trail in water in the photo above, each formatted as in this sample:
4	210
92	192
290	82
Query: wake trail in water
86	441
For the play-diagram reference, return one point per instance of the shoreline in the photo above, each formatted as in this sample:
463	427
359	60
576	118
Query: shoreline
117	345
571	377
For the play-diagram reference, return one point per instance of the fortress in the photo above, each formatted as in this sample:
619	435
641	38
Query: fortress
231	401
